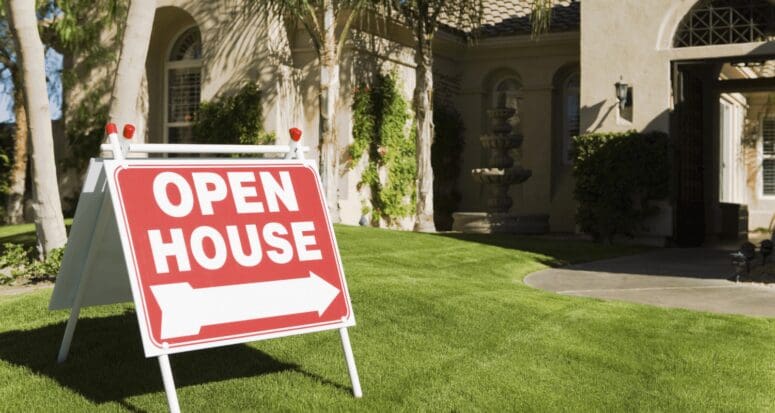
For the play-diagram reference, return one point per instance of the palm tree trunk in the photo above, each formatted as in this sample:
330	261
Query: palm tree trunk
423	102
14	212
131	65
329	92
49	223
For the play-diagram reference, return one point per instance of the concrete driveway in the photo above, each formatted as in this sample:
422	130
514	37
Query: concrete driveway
691	278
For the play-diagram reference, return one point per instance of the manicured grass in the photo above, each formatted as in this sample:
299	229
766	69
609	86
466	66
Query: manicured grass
22	233
444	324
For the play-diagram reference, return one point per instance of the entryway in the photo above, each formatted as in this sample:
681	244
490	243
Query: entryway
722	170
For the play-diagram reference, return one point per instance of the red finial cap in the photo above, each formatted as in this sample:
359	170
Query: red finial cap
295	134
111	128
129	131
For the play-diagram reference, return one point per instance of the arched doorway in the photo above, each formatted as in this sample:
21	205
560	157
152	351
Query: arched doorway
183	79
174	72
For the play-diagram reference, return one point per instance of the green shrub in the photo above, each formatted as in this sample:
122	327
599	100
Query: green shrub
48	268
618	176
16	263
233	119
13	262
382	129
448	143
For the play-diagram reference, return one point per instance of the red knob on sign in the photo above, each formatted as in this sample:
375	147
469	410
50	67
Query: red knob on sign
129	131
295	134
111	128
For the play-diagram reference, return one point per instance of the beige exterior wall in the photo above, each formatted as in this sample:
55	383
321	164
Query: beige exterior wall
631	41
239	48
534	64
626	40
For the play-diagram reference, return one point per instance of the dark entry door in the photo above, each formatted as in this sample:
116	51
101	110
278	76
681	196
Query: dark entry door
688	132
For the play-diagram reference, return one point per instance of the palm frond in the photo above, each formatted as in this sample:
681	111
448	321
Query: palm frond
540	17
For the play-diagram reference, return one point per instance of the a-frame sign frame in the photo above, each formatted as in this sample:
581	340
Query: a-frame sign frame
92	274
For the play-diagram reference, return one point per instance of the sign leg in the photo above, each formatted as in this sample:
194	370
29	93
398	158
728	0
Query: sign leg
75	310
64	349
348	356
169	383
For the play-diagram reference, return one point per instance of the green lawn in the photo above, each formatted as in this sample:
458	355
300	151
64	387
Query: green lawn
444	324
22	233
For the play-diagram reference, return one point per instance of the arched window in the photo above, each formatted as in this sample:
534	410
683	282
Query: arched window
713	22
507	93
183	86
570	114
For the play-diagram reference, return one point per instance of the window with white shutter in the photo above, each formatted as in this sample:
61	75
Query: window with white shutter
768	156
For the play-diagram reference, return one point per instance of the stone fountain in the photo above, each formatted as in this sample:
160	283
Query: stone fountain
502	173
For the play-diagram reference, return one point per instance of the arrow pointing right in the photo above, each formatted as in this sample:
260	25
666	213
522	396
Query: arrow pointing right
185	310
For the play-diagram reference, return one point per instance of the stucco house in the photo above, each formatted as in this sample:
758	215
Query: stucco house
701	71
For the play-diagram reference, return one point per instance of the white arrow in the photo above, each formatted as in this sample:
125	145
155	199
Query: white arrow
185	309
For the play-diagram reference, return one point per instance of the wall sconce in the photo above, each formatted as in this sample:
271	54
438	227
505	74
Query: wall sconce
623	94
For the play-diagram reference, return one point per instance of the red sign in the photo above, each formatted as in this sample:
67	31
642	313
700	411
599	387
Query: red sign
223	252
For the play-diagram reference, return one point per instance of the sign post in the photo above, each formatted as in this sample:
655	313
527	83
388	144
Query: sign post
216	251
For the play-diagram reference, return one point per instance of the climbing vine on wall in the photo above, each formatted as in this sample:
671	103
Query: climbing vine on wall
382	131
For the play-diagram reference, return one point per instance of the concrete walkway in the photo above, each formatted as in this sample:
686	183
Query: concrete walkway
692	278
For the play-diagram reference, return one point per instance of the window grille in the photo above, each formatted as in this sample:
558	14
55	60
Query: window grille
713	22
768	156
183	86
188	46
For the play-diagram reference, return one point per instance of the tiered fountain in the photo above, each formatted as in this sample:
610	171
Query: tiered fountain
499	177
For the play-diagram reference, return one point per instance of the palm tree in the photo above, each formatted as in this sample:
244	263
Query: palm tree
69	27
49	222
328	24
131	64
424	18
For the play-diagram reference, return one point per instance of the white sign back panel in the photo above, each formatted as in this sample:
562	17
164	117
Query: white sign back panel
93	255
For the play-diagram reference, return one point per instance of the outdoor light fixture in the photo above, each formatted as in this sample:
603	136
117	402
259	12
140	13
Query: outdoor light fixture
622	92
740	264
741	260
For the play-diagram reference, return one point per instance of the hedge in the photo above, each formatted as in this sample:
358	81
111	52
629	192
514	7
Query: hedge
618	178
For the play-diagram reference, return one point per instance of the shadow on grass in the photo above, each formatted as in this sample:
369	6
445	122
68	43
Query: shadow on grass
555	252
107	362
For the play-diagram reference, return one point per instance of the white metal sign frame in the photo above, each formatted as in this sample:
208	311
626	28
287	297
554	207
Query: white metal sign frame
120	149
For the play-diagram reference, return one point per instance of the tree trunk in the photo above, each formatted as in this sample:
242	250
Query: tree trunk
14	213
329	93
423	103
49	223
124	100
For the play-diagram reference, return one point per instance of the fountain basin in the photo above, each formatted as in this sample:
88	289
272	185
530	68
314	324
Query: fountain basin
501	176
500	223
